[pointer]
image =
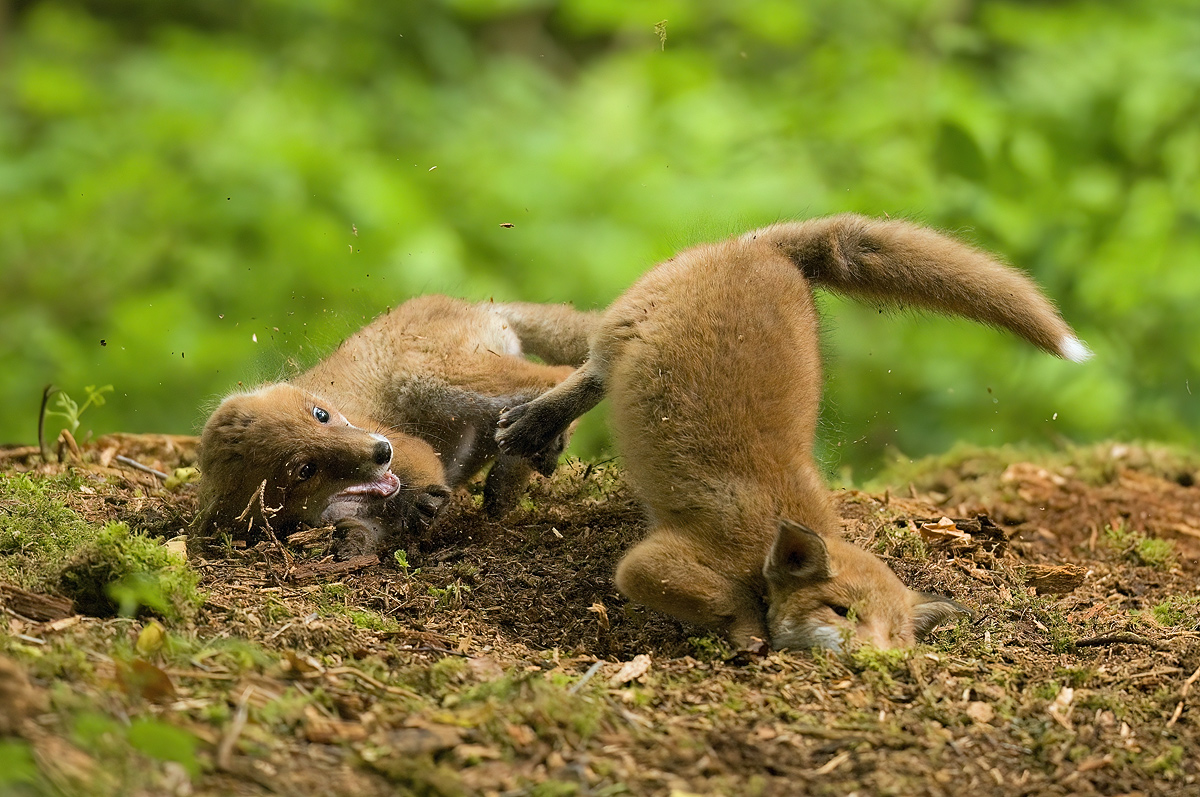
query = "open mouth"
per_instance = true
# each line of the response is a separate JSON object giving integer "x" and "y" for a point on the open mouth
{"x": 385, "y": 486}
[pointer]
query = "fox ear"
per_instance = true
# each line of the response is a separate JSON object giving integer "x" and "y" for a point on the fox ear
{"x": 930, "y": 611}
{"x": 798, "y": 555}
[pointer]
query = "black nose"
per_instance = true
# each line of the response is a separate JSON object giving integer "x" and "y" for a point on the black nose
{"x": 383, "y": 452}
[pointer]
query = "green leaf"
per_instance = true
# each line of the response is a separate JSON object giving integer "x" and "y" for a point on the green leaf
{"x": 16, "y": 763}
{"x": 165, "y": 742}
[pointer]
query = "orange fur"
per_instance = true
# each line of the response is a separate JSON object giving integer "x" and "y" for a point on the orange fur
{"x": 711, "y": 363}
{"x": 431, "y": 376}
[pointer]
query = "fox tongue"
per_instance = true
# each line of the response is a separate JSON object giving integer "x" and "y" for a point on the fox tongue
{"x": 385, "y": 486}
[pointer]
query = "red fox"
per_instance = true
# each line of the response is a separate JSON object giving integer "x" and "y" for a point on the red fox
{"x": 712, "y": 368}
{"x": 375, "y": 436}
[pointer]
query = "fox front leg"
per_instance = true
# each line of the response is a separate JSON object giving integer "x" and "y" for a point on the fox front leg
{"x": 529, "y": 429}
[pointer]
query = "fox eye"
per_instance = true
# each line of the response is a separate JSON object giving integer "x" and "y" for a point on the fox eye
{"x": 321, "y": 415}
{"x": 307, "y": 471}
{"x": 840, "y": 611}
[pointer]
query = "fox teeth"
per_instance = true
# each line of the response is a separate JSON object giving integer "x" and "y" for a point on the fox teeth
{"x": 385, "y": 486}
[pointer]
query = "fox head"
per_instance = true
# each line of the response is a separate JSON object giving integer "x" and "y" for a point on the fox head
{"x": 281, "y": 453}
{"x": 827, "y": 593}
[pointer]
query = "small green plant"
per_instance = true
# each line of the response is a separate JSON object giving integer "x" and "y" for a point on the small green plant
{"x": 17, "y": 767}
{"x": 401, "y": 557}
{"x": 451, "y": 596}
{"x": 71, "y": 409}
{"x": 1168, "y": 763}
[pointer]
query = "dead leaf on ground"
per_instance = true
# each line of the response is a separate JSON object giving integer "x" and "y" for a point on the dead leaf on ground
{"x": 140, "y": 678}
{"x": 631, "y": 670}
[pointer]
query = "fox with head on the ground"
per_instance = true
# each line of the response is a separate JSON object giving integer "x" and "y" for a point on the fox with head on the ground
{"x": 711, "y": 364}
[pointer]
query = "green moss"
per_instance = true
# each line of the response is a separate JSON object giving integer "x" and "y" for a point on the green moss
{"x": 126, "y": 572}
{"x": 886, "y": 662}
{"x": 1133, "y": 546}
{"x": 1178, "y": 611}
{"x": 38, "y": 531}
{"x": 1074, "y": 677}
{"x": 1047, "y": 690}
{"x": 710, "y": 647}
{"x": 1168, "y": 763}
{"x": 372, "y": 621}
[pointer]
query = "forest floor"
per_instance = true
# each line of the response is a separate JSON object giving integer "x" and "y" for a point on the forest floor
{"x": 498, "y": 658}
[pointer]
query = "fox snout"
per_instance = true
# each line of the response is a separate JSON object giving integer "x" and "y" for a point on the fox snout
{"x": 382, "y": 453}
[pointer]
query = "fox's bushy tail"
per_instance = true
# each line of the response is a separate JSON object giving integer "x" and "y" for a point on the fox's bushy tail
{"x": 897, "y": 262}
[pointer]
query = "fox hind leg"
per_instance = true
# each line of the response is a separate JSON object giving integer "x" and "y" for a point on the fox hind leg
{"x": 661, "y": 572}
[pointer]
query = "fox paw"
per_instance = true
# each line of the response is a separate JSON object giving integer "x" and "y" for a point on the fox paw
{"x": 355, "y": 536}
{"x": 522, "y": 432}
{"x": 428, "y": 504}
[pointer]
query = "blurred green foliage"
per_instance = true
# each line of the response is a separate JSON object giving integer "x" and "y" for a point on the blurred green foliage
{"x": 194, "y": 194}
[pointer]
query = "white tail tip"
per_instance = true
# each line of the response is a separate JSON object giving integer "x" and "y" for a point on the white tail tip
{"x": 1074, "y": 349}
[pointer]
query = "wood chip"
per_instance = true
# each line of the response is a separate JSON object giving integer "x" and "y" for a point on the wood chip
{"x": 323, "y": 570}
{"x": 1054, "y": 579}
{"x": 34, "y": 605}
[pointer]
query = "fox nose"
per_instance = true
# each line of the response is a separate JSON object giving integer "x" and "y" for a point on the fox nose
{"x": 382, "y": 452}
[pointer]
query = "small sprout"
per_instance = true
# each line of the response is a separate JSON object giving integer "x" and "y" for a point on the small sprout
{"x": 70, "y": 410}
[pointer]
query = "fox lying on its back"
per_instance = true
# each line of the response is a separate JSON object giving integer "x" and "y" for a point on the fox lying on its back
{"x": 373, "y": 437}
{"x": 711, "y": 364}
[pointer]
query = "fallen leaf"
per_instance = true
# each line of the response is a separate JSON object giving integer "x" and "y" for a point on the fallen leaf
{"x": 1060, "y": 709}
{"x": 631, "y": 670}
{"x": 323, "y": 730}
{"x": 297, "y": 666}
{"x": 177, "y": 546}
{"x": 140, "y": 678}
{"x": 484, "y": 669}
{"x": 981, "y": 712}
{"x": 474, "y": 753}
{"x": 151, "y": 639}
{"x": 944, "y": 532}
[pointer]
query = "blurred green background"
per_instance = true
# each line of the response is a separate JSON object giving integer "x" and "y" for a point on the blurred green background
{"x": 196, "y": 194}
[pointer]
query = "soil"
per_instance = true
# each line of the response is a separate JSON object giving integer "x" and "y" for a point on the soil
{"x": 498, "y": 657}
